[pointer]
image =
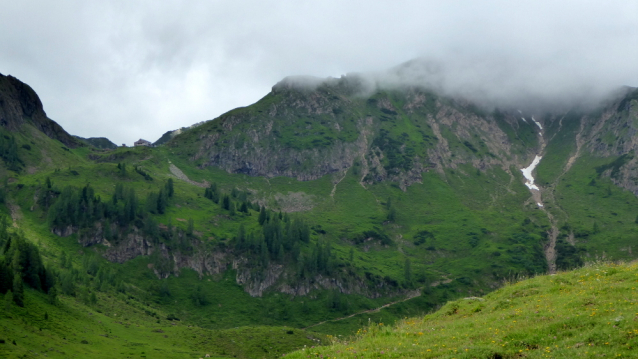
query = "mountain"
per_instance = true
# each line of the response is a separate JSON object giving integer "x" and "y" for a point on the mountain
{"x": 98, "y": 142}
{"x": 309, "y": 128}
{"x": 324, "y": 201}
{"x": 19, "y": 105}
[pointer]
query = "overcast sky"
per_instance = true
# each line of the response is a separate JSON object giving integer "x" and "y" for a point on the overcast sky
{"x": 131, "y": 69}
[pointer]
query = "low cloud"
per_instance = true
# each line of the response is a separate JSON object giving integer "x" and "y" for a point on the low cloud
{"x": 127, "y": 70}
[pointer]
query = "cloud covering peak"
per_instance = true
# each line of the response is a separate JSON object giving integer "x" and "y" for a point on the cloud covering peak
{"x": 127, "y": 70}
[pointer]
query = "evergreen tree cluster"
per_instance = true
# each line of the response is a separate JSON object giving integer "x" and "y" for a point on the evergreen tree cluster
{"x": 236, "y": 201}
{"x": 9, "y": 152}
{"x": 82, "y": 209}
{"x": 283, "y": 239}
{"x": 143, "y": 173}
{"x": 20, "y": 264}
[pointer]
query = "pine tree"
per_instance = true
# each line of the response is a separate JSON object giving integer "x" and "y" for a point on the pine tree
{"x": 392, "y": 214}
{"x": 191, "y": 227}
{"x": 262, "y": 216}
{"x": 52, "y": 296}
{"x": 18, "y": 290}
{"x": 162, "y": 201}
{"x": 170, "y": 190}
{"x": 244, "y": 207}
{"x": 240, "y": 240}
{"x": 63, "y": 260}
{"x": 8, "y": 299}
{"x": 231, "y": 208}
{"x": 407, "y": 271}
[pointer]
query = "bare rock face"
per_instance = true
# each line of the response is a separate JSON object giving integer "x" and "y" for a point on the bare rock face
{"x": 306, "y": 129}
{"x": 20, "y": 104}
{"x": 613, "y": 133}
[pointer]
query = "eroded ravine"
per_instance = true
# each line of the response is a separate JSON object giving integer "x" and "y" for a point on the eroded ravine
{"x": 536, "y": 191}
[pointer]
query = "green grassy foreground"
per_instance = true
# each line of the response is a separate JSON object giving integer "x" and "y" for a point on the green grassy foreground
{"x": 590, "y": 312}
{"x": 122, "y": 328}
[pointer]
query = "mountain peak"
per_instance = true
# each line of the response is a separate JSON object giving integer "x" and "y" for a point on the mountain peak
{"x": 20, "y": 104}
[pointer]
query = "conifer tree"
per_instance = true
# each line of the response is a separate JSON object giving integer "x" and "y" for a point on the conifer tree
{"x": 190, "y": 228}
{"x": 18, "y": 290}
{"x": 52, "y": 296}
{"x": 262, "y": 216}
{"x": 240, "y": 240}
{"x": 170, "y": 190}
{"x": 407, "y": 271}
{"x": 8, "y": 299}
{"x": 243, "y": 208}
{"x": 162, "y": 201}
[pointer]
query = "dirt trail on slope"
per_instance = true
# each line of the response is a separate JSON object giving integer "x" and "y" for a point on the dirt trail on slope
{"x": 550, "y": 247}
{"x": 411, "y": 295}
{"x": 334, "y": 188}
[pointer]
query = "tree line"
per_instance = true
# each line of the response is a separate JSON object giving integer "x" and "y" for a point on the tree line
{"x": 81, "y": 208}
{"x": 21, "y": 264}
{"x": 285, "y": 240}
{"x": 9, "y": 152}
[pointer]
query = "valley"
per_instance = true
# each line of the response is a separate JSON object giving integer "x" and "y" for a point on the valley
{"x": 315, "y": 212}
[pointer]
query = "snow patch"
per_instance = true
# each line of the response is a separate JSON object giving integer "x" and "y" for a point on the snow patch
{"x": 540, "y": 205}
{"x": 537, "y": 123}
{"x": 523, "y": 118}
{"x": 527, "y": 173}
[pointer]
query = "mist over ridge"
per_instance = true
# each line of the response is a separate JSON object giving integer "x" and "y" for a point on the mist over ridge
{"x": 488, "y": 85}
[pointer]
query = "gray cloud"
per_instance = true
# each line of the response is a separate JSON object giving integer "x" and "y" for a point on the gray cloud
{"x": 137, "y": 69}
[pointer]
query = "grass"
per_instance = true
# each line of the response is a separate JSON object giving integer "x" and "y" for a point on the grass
{"x": 121, "y": 327}
{"x": 590, "y": 312}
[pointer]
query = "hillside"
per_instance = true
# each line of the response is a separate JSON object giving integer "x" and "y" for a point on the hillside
{"x": 316, "y": 206}
{"x": 590, "y": 312}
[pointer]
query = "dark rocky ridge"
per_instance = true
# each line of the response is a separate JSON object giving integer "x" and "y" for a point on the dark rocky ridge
{"x": 20, "y": 104}
{"x": 98, "y": 142}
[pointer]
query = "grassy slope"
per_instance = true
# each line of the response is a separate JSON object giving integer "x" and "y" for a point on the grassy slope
{"x": 589, "y": 312}
{"x": 456, "y": 208}
{"x": 120, "y": 327}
